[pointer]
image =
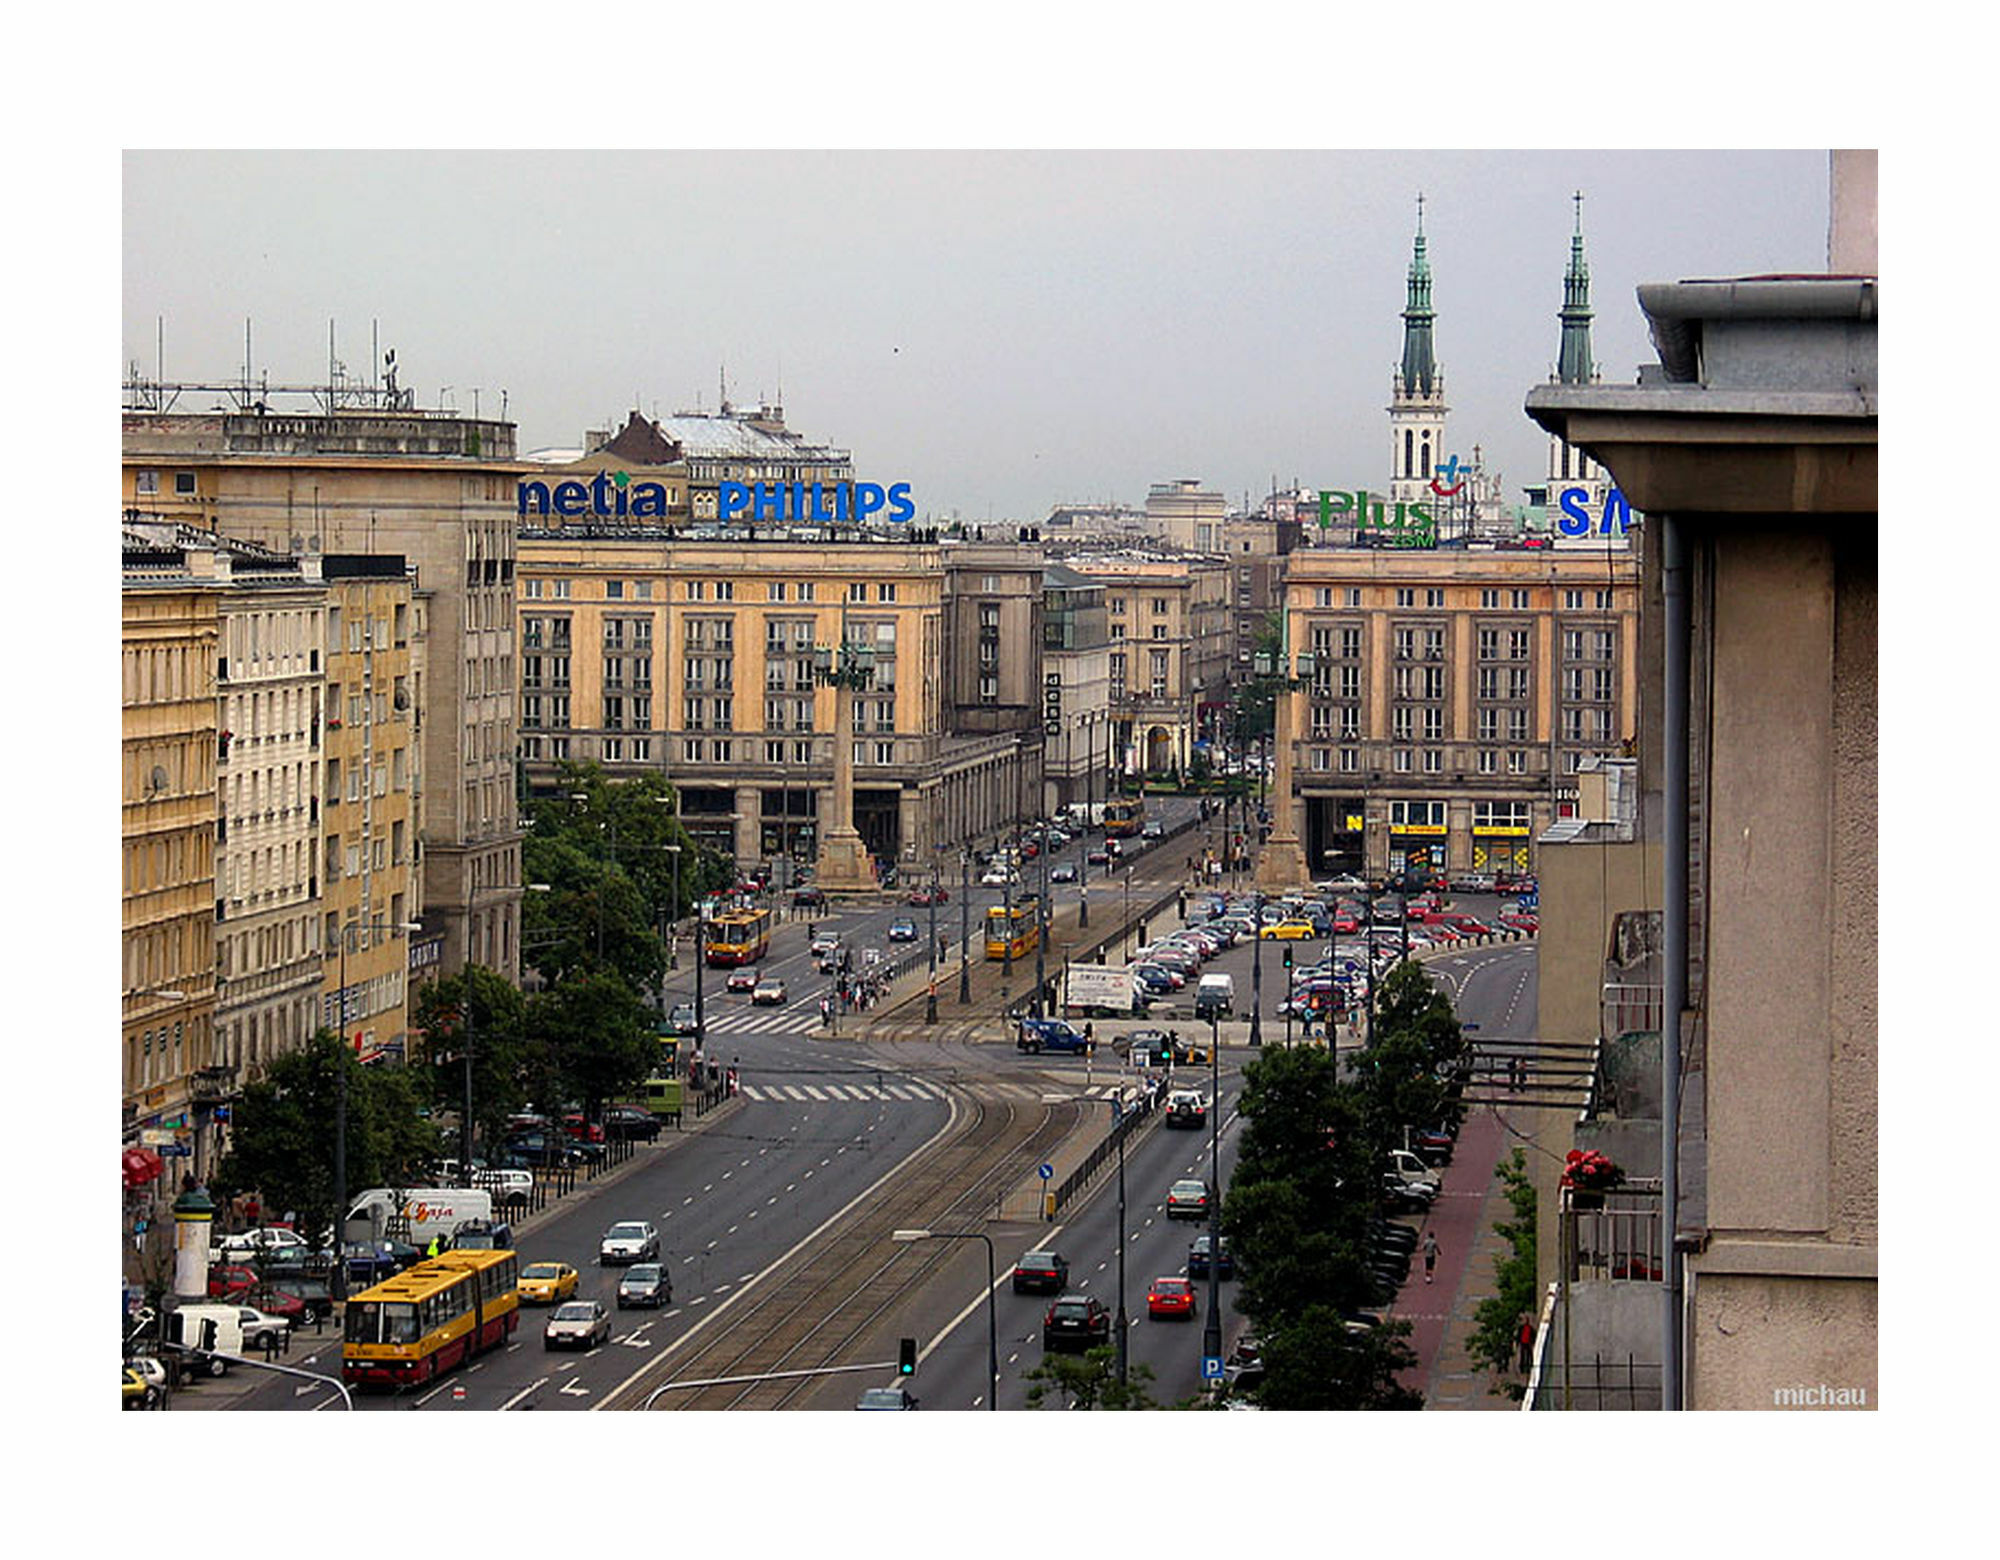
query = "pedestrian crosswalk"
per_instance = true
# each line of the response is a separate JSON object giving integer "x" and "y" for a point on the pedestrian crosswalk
{"x": 905, "y": 1090}
{"x": 761, "y": 1021}
{"x": 902, "y": 1090}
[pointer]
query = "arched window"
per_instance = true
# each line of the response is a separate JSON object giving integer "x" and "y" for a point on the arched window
{"x": 1427, "y": 455}
{"x": 1409, "y": 452}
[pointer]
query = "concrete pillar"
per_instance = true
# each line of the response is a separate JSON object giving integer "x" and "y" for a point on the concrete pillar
{"x": 749, "y": 824}
{"x": 1282, "y": 863}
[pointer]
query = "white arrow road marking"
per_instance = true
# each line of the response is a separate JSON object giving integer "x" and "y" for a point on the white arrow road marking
{"x": 574, "y": 1389}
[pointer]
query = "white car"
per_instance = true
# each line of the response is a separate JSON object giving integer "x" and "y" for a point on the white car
{"x": 261, "y": 1328}
{"x": 251, "y": 1244}
{"x": 998, "y": 877}
{"x": 632, "y": 1241}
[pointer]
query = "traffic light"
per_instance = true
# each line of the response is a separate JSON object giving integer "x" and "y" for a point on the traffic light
{"x": 1288, "y": 955}
{"x": 906, "y": 1357}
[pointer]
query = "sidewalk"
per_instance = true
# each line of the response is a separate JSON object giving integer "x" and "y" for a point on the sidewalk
{"x": 1441, "y": 1312}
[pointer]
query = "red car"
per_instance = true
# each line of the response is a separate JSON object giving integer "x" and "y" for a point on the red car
{"x": 582, "y": 1131}
{"x": 1521, "y": 921}
{"x": 930, "y": 896}
{"x": 228, "y": 1280}
{"x": 1171, "y": 1297}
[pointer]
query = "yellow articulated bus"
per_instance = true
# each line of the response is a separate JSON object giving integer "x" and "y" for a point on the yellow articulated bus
{"x": 1124, "y": 817}
{"x": 1012, "y": 932}
{"x": 430, "y": 1317}
{"x": 740, "y": 937}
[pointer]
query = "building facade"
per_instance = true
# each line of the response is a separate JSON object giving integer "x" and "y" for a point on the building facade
{"x": 1453, "y": 698}
{"x": 653, "y": 651}
{"x": 1076, "y": 688}
{"x": 1752, "y": 447}
{"x": 169, "y": 739}
{"x": 371, "y": 878}
{"x": 1171, "y": 648}
{"x": 436, "y": 489}
{"x": 271, "y": 679}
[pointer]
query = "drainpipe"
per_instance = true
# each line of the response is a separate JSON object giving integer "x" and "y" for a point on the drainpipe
{"x": 1674, "y": 583}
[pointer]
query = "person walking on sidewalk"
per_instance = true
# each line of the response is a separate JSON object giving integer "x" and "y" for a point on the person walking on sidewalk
{"x": 1430, "y": 1253}
{"x": 1527, "y": 1344}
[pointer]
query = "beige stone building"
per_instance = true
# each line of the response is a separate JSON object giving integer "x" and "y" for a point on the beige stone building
{"x": 438, "y": 490}
{"x": 270, "y": 676}
{"x": 1455, "y": 695}
{"x": 371, "y": 873}
{"x": 691, "y": 655}
{"x": 170, "y": 1071}
{"x": 1171, "y": 649}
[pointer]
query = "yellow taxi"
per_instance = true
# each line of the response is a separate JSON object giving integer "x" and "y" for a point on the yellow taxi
{"x": 1289, "y": 930}
{"x": 546, "y": 1283}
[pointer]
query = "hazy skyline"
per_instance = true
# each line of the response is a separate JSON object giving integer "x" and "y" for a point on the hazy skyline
{"x": 1005, "y": 331}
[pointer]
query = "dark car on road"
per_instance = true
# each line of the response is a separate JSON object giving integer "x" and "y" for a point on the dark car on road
{"x": 680, "y": 1018}
{"x": 1051, "y": 1034}
{"x": 1197, "y": 1261}
{"x": 645, "y": 1283}
{"x": 629, "y": 1121}
{"x": 808, "y": 897}
{"x": 1045, "y": 1272}
{"x": 1075, "y": 1322}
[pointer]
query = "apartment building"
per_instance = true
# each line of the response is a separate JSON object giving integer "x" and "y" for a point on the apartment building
{"x": 1454, "y": 695}
{"x": 1076, "y": 688}
{"x": 371, "y": 878}
{"x": 1170, "y": 650}
{"x": 270, "y": 683}
{"x": 368, "y": 472}
{"x": 691, "y": 654}
{"x": 171, "y": 1074}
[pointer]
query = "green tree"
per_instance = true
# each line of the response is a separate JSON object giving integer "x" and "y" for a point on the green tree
{"x": 282, "y": 1141}
{"x": 598, "y": 1034}
{"x": 1315, "y": 1362}
{"x": 1089, "y": 1380}
{"x": 1497, "y": 1320}
{"x": 500, "y": 1049}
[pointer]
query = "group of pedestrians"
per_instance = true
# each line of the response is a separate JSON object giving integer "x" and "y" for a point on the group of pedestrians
{"x": 852, "y": 994}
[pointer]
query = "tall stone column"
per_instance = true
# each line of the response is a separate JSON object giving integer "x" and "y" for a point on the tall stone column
{"x": 1282, "y": 863}
{"x": 843, "y": 865}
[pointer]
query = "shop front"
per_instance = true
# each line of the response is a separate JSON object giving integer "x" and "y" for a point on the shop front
{"x": 1417, "y": 837}
{"x": 1501, "y": 832}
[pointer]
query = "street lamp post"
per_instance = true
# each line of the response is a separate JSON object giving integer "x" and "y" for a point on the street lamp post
{"x": 930, "y": 995}
{"x": 340, "y": 1099}
{"x": 1211, "y": 1332}
{"x": 1257, "y": 974}
{"x": 992, "y": 1309}
{"x": 673, "y": 930}
{"x": 964, "y": 924}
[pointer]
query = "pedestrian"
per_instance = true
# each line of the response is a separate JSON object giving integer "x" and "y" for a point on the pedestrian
{"x": 1430, "y": 1254}
{"x": 1527, "y": 1344}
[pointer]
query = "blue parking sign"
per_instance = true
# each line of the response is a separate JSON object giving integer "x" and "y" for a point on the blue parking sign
{"x": 1211, "y": 1367}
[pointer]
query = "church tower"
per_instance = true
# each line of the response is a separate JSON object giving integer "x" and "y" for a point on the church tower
{"x": 1569, "y": 468}
{"x": 1417, "y": 408}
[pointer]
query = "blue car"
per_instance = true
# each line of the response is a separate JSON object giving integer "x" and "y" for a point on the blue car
{"x": 1051, "y": 1034}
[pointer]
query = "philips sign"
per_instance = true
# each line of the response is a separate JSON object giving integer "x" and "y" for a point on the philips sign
{"x": 810, "y": 502}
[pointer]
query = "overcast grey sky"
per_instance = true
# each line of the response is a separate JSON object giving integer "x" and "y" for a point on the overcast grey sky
{"x": 1004, "y": 330}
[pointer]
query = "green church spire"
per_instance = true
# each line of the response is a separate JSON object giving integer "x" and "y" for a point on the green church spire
{"x": 1420, "y": 373}
{"x": 1573, "y": 366}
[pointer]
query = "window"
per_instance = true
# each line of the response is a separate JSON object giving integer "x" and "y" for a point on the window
{"x": 775, "y": 591}
{"x": 886, "y": 591}
{"x": 1572, "y": 601}
{"x": 614, "y": 590}
{"x": 697, "y": 590}
{"x": 1520, "y": 601}
{"x": 184, "y": 484}
{"x": 1434, "y": 597}
{"x": 1350, "y": 760}
{"x": 1433, "y": 761}
{"x": 1354, "y": 595}
{"x": 1489, "y": 598}
{"x": 531, "y": 590}
{"x": 1405, "y": 596}
{"x": 147, "y": 482}
{"x": 725, "y": 590}
{"x": 857, "y": 590}
{"x": 1401, "y": 763}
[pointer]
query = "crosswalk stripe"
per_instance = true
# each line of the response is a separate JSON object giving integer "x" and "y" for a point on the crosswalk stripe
{"x": 814, "y": 1093}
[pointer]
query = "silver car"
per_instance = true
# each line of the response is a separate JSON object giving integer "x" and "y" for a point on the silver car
{"x": 633, "y": 1241}
{"x": 577, "y": 1324}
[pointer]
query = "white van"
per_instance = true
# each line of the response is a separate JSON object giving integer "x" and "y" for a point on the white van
{"x": 429, "y": 1211}
{"x": 1214, "y": 997}
{"x": 218, "y": 1328}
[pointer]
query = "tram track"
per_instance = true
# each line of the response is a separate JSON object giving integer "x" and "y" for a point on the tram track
{"x": 826, "y": 1305}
